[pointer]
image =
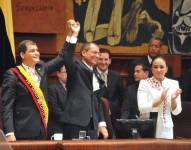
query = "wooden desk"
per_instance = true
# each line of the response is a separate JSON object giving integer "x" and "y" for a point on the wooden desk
{"x": 128, "y": 144}
{"x": 35, "y": 145}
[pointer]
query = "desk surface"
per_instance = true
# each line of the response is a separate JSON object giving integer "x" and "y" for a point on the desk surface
{"x": 127, "y": 144}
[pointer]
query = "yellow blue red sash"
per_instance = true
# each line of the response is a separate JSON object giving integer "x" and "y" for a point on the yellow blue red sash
{"x": 36, "y": 93}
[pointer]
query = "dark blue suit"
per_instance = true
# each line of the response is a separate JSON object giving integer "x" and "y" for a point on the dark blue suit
{"x": 20, "y": 114}
{"x": 130, "y": 106}
{"x": 115, "y": 95}
{"x": 82, "y": 108}
{"x": 56, "y": 103}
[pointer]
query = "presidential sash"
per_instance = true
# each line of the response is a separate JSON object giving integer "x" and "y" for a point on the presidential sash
{"x": 36, "y": 93}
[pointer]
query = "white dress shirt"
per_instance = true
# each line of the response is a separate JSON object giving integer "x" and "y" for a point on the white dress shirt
{"x": 33, "y": 73}
{"x": 95, "y": 83}
{"x": 149, "y": 59}
{"x": 96, "y": 87}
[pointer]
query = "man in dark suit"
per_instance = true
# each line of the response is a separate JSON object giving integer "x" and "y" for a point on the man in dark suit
{"x": 130, "y": 108}
{"x": 154, "y": 49}
{"x": 82, "y": 109}
{"x": 113, "y": 83}
{"x": 24, "y": 92}
{"x": 56, "y": 102}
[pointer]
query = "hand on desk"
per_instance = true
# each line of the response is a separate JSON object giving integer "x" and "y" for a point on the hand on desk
{"x": 103, "y": 131}
{"x": 11, "y": 138}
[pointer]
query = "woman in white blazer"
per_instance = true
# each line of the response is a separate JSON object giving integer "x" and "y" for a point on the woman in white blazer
{"x": 162, "y": 95}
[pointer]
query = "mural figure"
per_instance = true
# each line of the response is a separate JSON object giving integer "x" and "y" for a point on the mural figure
{"x": 180, "y": 37}
{"x": 120, "y": 22}
{"x": 137, "y": 16}
{"x": 112, "y": 29}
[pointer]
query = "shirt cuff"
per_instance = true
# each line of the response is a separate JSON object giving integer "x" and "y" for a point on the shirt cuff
{"x": 71, "y": 39}
{"x": 102, "y": 124}
{"x": 10, "y": 133}
{"x": 177, "y": 110}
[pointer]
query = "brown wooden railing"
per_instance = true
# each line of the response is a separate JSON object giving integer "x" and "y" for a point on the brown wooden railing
{"x": 139, "y": 144}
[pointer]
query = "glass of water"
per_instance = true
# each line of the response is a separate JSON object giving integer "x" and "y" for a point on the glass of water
{"x": 82, "y": 135}
{"x": 134, "y": 133}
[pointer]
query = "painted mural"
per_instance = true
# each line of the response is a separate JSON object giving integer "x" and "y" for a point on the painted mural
{"x": 122, "y": 22}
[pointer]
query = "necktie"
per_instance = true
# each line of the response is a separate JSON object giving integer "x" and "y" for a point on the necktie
{"x": 104, "y": 78}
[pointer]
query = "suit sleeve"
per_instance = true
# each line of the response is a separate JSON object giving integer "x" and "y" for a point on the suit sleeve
{"x": 144, "y": 105}
{"x": 56, "y": 101}
{"x": 121, "y": 91}
{"x": 178, "y": 108}
{"x": 57, "y": 62}
{"x": 101, "y": 114}
{"x": 53, "y": 99}
{"x": 70, "y": 66}
{"x": 131, "y": 102}
{"x": 125, "y": 106}
{"x": 8, "y": 99}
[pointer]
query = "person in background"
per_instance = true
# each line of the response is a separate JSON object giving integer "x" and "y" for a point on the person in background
{"x": 24, "y": 91}
{"x": 161, "y": 95}
{"x": 82, "y": 107}
{"x": 113, "y": 83}
{"x": 130, "y": 108}
{"x": 57, "y": 94}
{"x": 154, "y": 50}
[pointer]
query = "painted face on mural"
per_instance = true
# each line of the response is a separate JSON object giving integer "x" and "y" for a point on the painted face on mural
{"x": 181, "y": 25}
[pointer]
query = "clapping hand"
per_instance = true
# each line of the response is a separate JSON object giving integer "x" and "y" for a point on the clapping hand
{"x": 176, "y": 94}
{"x": 164, "y": 94}
{"x": 161, "y": 98}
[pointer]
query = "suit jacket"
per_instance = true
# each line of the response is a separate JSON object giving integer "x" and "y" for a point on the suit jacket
{"x": 82, "y": 102}
{"x": 130, "y": 106}
{"x": 56, "y": 103}
{"x": 115, "y": 94}
{"x": 20, "y": 114}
